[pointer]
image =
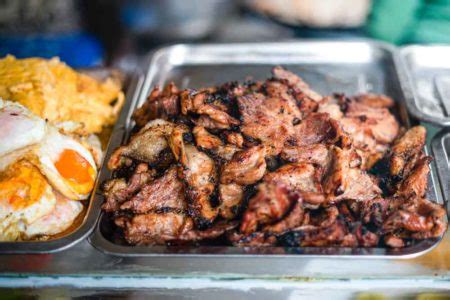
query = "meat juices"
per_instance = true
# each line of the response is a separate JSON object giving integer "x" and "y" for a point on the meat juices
{"x": 271, "y": 163}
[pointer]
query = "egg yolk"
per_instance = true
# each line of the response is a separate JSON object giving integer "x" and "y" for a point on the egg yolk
{"x": 22, "y": 185}
{"x": 75, "y": 168}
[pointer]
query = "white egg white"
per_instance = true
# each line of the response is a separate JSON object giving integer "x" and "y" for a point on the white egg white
{"x": 48, "y": 153}
{"x": 18, "y": 127}
{"x": 56, "y": 221}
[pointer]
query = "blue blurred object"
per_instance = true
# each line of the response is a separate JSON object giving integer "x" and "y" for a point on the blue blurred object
{"x": 78, "y": 49}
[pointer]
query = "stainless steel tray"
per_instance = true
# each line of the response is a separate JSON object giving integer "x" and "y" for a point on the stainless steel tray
{"x": 440, "y": 145}
{"x": 132, "y": 85}
{"x": 329, "y": 66}
{"x": 428, "y": 73}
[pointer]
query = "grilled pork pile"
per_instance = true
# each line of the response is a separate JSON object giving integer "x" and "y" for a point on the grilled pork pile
{"x": 271, "y": 163}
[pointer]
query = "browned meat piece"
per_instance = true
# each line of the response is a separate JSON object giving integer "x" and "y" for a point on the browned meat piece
{"x": 323, "y": 217}
{"x": 146, "y": 145}
{"x": 208, "y": 141}
{"x": 315, "y": 128}
{"x": 378, "y": 123}
{"x": 375, "y": 100}
{"x": 313, "y": 154}
{"x": 315, "y": 236}
{"x": 295, "y": 82}
{"x": 198, "y": 103}
{"x": 278, "y": 90}
{"x": 417, "y": 181}
{"x": 406, "y": 150}
{"x": 331, "y": 106}
{"x": 375, "y": 211}
{"x": 159, "y": 105}
{"x": 117, "y": 191}
{"x": 154, "y": 228}
{"x": 164, "y": 192}
{"x": 420, "y": 217}
{"x": 268, "y": 120}
{"x": 365, "y": 237}
{"x": 393, "y": 241}
{"x": 255, "y": 239}
{"x": 246, "y": 167}
{"x": 200, "y": 175}
{"x": 346, "y": 182}
{"x": 230, "y": 196}
{"x": 296, "y": 177}
{"x": 293, "y": 219}
{"x": 269, "y": 205}
{"x": 213, "y": 232}
{"x": 235, "y": 138}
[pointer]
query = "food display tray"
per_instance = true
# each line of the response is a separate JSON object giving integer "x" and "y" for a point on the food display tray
{"x": 132, "y": 85}
{"x": 440, "y": 146}
{"x": 428, "y": 73}
{"x": 328, "y": 66}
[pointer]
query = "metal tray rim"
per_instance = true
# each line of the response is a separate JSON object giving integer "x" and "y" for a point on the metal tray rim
{"x": 410, "y": 89}
{"x": 93, "y": 211}
{"x": 107, "y": 247}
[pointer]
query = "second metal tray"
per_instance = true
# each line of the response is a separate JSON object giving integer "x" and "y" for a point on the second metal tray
{"x": 328, "y": 66}
{"x": 132, "y": 85}
{"x": 428, "y": 73}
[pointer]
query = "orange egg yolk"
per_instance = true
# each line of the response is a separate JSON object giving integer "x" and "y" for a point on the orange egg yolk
{"x": 22, "y": 185}
{"x": 74, "y": 167}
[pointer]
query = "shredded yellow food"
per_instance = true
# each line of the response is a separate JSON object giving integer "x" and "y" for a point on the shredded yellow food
{"x": 56, "y": 92}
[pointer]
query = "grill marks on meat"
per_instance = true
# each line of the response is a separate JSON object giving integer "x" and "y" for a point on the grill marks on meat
{"x": 245, "y": 167}
{"x": 268, "y": 120}
{"x": 371, "y": 125}
{"x": 270, "y": 204}
{"x": 117, "y": 191}
{"x": 406, "y": 150}
{"x": 154, "y": 228}
{"x": 314, "y": 129}
{"x": 162, "y": 193}
{"x": 209, "y": 142}
{"x": 198, "y": 103}
{"x": 230, "y": 196}
{"x": 146, "y": 145}
{"x": 345, "y": 181}
{"x": 159, "y": 105}
{"x": 200, "y": 176}
{"x": 271, "y": 163}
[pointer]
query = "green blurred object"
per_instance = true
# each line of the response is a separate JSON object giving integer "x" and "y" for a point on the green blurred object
{"x": 410, "y": 21}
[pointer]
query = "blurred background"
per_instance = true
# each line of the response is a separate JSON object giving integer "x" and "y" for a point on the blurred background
{"x": 118, "y": 33}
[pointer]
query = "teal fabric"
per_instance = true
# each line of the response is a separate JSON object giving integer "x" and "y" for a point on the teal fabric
{"x": 410, "y": 21}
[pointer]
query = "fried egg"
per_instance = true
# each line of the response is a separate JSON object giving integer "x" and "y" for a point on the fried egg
{"x": 19, "y": 127}
{"x": 69, "y": 167}
{"x": 62, "y": 216}
{"x": 25, "y": 196}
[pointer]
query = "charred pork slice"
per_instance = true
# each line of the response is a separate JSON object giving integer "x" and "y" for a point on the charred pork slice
{"x": 312, "y": 154}
{"x": 154, "y": 228}
{"x": 246, "y": 166}
{"x": 162, "y": 193}
{"x": 406, "y": 150}
{"x": 230, "y": 196}
{"x": 346, "y": 182}
{"x": 269, "y": 205}
{"x": 117, "y": 191}
{"x": 145, "y": 146}
{"x": 200, "y": 176}
{"x": 212, "y": 143}
{"x": 315, "y": 128}
{"x": 198, "y": 102}
{"x": 296, "y": 83}
{"x": 268, "y": 120}
{"x": 159, "y": 105}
